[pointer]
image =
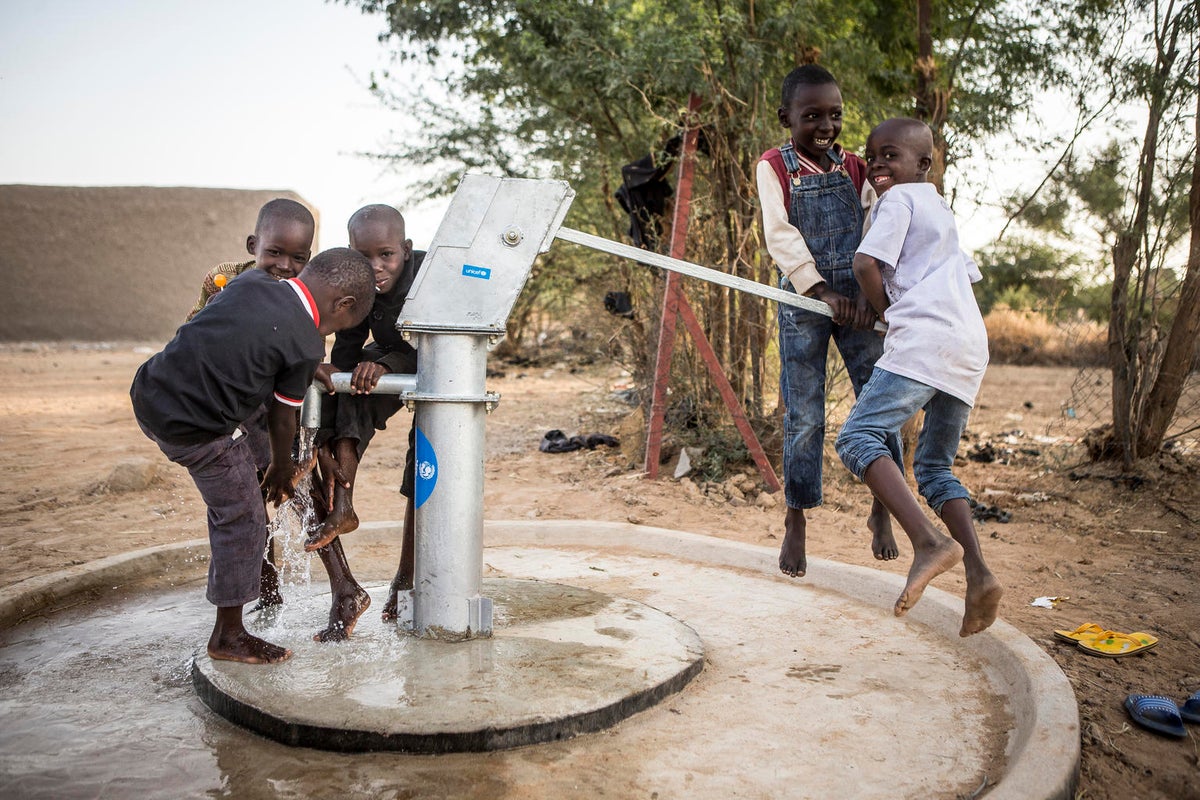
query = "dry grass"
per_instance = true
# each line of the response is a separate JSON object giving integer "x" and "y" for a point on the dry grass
{"x": 1028, "y": 338}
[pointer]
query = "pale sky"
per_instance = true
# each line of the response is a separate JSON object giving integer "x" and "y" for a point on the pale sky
{"x": 243, "y": 94}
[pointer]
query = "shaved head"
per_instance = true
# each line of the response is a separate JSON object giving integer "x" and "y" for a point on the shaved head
{"x": 376, "y": 214}
{"x": 282, "y": 209}
{"x": 912, "y": 132}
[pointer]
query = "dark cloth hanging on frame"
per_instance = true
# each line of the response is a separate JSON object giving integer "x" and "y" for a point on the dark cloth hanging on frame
{"x": 643, "y": 195}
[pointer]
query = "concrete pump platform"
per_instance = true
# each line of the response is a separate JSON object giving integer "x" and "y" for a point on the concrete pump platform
{"x": 809, "y": 688}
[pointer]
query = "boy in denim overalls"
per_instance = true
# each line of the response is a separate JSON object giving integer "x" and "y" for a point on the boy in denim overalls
{"x": 813, "y": 197}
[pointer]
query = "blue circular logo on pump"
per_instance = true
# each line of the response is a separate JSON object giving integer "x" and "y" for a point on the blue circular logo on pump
{"x": 426, "y": 468}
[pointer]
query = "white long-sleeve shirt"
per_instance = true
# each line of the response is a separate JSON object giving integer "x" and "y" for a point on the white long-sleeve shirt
{"x": 784, "y": 241}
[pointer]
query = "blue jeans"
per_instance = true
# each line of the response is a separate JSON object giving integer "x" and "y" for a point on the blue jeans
{"x": 803, "y": 349}
{"x": 885, "y": 404}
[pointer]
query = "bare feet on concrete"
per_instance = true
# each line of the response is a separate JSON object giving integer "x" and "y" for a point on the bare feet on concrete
{"x": 929, "y": 561}
{"x": 400, "y": 583}
{"x": 343, "y": 616}
{"x": 246, "y": 648}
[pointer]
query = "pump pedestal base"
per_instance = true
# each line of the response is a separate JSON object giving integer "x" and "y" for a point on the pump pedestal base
{"x": 561, "y": 661}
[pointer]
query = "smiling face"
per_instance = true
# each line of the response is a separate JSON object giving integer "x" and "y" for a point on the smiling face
{"x": 898, "y": 151}
{"x": 814, "y": 116}
{"x": 381, "y": 239}
{"x": 281, "y": 247}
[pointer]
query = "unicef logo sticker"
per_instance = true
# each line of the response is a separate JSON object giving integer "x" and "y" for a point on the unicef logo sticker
{"x": 426, "y": 469}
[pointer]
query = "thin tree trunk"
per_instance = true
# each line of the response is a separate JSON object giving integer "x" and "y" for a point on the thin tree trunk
{"x": 1124, "y": 331}
{"x": 1181, "y": 343}
{"x": 1120, "y": 352}
{"x": 932, "y": 103}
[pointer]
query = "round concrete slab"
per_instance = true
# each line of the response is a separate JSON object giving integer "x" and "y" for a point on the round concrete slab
{"x": 810, "y": 689}
{"x": 562, "y": 660}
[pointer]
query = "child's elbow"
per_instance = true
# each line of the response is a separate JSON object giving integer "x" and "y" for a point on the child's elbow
{"x": 864, "y": 265}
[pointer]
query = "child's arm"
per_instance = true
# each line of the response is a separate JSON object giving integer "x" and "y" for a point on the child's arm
{"x": 973, "y": 273}
{"x": 283, "y": 474}
{"x": 396, "y": 360}
{"x": 348, "y": 345}
{"x": 324, "y": 376}
{"x": 870, "y": 279}
{"x": 784, "y": 241}
{"x": 214, "y": 282}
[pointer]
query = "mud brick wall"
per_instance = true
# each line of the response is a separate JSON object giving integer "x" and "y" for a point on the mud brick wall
{"x": 114, "y": 263}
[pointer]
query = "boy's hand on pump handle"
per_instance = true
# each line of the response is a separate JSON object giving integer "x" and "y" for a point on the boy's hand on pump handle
{"x": 366, "y": 375}
{"x": 856, "y": 313}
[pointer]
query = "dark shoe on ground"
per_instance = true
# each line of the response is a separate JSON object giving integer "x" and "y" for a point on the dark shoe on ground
{"x": 1190, "y": 710}
{"x": 1156, "y": 713}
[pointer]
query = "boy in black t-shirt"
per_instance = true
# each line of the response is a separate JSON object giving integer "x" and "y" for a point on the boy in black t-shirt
{"x": 258, "y": 339}
{"x": 281, "y": 245}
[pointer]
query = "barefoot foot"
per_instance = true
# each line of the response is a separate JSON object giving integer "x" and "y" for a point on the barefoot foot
{"x": 248, "y": 649}
{"x": 983, "y": 604}
{"x": 883, "y": 544}
{"x": 343, "y": 616}
{"x": 391, "y": 607}
{"x": 792, "y": 560}
{"x": 334, "y": 526}
{"x": 928, "y": 562}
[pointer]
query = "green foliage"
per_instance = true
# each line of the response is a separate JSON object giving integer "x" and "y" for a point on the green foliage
{"x": 724, "y": 452}
{"x": 575, "y": 90}
{"x": 1024, "y": 274}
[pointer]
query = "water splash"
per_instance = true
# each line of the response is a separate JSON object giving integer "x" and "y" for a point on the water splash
{"x": 294, "y": 521}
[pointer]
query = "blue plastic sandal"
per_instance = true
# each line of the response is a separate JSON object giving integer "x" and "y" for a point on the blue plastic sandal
{"x": 1158, "y": 713}
{"x": 1190, "y": 710}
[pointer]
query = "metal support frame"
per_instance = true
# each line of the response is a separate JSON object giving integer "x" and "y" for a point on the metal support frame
{"x": 676, "y": 306}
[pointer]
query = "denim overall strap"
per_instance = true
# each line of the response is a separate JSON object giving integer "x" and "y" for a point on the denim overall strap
{"x": 826, "y": 209}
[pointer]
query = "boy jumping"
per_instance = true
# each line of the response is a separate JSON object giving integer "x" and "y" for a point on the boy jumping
{"x": 916, "y": 277}
{"x": 259, "y": 339}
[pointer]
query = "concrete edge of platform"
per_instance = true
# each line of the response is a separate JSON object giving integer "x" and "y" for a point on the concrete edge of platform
{"x": 1043, "y": 757}
{"x": 31, "y": 596}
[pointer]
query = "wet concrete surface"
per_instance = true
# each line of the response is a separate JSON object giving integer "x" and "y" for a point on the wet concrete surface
{"x": 809, "y": 690}
{"x": 562, "y": 660}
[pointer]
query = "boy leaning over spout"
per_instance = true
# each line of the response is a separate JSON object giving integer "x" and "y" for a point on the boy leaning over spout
{"x": 260, "y": 339}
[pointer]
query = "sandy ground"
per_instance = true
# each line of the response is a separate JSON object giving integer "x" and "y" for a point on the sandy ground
{"x": 1121, "y": 550}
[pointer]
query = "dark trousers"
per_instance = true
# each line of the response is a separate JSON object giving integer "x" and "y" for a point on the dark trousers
{"x": 224, "y": 471}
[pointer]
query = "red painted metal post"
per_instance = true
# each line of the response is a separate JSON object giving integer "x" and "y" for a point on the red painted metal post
{"x": 675, "y": 305}
{"x": 672, "y": 294}
{"x": 715, "y": 371}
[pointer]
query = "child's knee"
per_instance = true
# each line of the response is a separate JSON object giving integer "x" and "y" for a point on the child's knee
{"x": 857, "y": 451}
{"x": 939, "y": 488}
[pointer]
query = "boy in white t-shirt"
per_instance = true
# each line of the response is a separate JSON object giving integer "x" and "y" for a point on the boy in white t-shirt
{"x": 916, "y": 277}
